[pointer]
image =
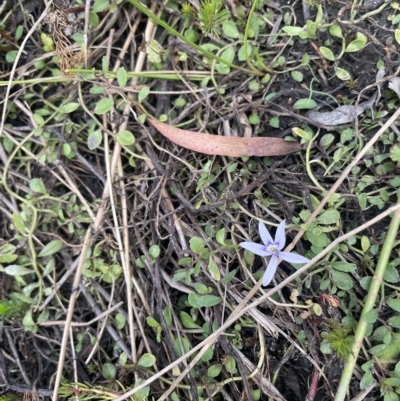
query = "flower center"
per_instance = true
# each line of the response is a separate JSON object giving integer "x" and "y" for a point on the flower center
{"x": 272, "y": 248}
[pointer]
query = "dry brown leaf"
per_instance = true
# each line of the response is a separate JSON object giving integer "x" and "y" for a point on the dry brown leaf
{"x": 224, "y": 145}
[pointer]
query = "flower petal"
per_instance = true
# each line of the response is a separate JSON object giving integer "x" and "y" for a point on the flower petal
{"x": 264, "y": 234}
{"x": 271, "y": 270}
{"x": 292, "y": 257}
{"x": 257, "y": 249}
{"x": 280, "y": 237}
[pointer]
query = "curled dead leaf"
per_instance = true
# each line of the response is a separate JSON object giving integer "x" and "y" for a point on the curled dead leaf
{"x": 224, "y": 145}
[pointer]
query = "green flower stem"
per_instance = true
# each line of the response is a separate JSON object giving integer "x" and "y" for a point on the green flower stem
{"x": 245, "y": 42}
{"x": 369, "y": 305}
{"x": 173, "y": 32}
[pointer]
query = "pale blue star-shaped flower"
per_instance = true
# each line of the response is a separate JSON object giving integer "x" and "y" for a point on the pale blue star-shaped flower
{"x": 272, "y": 248}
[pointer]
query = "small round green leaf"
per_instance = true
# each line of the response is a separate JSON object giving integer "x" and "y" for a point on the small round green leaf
{"x": 366, "y": 380}
{"x": 394, "y": 304}
{"x": 214, "y": 270}
{"x": 193, "y": 299}
{"x": 196, "y": 245}
{"x": 254, "y": 118}
{"x": 397, "y": 35}
{"x": 67, "y": 150}
{"x": 167, "y": 313}
{"x": 122, "y": 77}
{"x": 19, "y": 223}
{"x": 147, "y": 360}
{"x": 101, "y": 5}
{"x": 293, "y": 30}
{"x": 301, "y": 133}
{"x": 342, "y": 74}
{"x": 28, "y": 322}
{"x": 214, "y": 370}
{"x": 230, "y": 365}
{"x": 181, "y": 345}
{"x": 120, "y": 320}
{"x": 297, "y": 76}
{"x": 11, "y": 56}
{"x": 241, "y": 53}
{"x": 220, "y": 236}
{"x": 187, "y": 321}
{"x": 154, "y": 251}
{"x": 335, "y": 30}
{"x": 125, "y": 138}
{"x": 228, "y": 54}
{"x": 152, "y": 322}
{"x": 327, "y": 53}
{"x": 95, "y": 90}
{"x": 326, "y": 140}
{"x": 208, "y": 355}
{"x": 51, "y": 248}
{"x": 391, "y": 274}
{"x": 390, "y": 395}
{"x": 325, "y": 347}
{"x": 208, "y": 300}
{"x": 191, "y": 35}
{"x": 394, "y": 321}
{"x": 69, "y": 107}
{"x": 229, "y": 29}
{"x": 202, "y": 289}
{"x": 365, "y": 282}
{"x": 16, "y": 270}
{"x": 93, "y": 19}
{"x": 39, "y": 120}
{"x": 123, "y": 358}
{"x": 36, "y": 185}
{"x": 330, "y": 216}
{"x": 109, "y": 371}
{"x": 94, "y": 139}
{"x": 344, "y": 266}
{"x": 342, "y": 280}
{"x": 103, "y": 106}
{"x": 274, "y": 122}
{"x": 254, "y": 85}
{"x": 43, "y": 316}
{"x": 371, "y": 316}
{"x": 305, "y": 104}
{"x": 355, "y": 46}
{"x": 18, "y": 32}
{"x": 378, "y": 349}
{"x": 223, "y": 69}
{"x": 143, "y": 93}
{"x": 228, "y": 277}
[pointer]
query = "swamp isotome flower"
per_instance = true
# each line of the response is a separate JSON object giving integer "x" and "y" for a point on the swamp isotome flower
{"x": 272, "y": 248}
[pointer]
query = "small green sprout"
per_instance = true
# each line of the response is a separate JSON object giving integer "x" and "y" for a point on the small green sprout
{"x": 339, "y": 340}
{"x": 211, "y": 16}
{"x": 188, "y": 11}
